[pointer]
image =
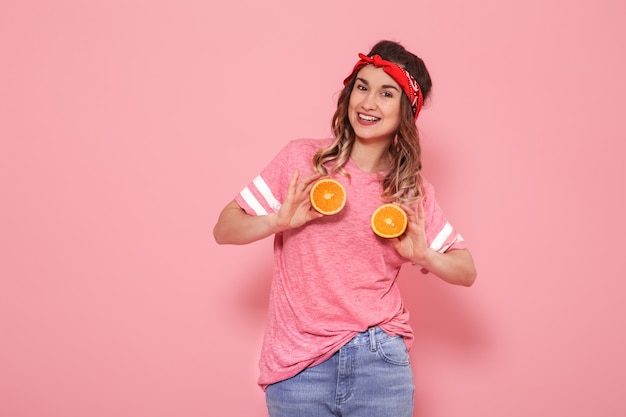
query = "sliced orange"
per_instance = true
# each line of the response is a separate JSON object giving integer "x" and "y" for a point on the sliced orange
{"x": 328, "y": 196}
{"x": 389, "y": 220}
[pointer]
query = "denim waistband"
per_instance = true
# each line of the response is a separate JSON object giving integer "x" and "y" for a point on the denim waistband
{"x": 371, "y": 337}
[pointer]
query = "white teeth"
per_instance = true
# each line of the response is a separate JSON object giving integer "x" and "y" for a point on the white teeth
{"x": 368, "y": 118}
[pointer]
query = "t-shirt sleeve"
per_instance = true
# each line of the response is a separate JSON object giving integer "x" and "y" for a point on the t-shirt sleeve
{"x": 264, "y": 194}
{"x": 440, "y": 234}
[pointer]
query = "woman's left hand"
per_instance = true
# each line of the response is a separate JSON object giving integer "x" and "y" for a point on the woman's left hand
{"x": 412, "y": 243}
{"x": 454, "y": 266}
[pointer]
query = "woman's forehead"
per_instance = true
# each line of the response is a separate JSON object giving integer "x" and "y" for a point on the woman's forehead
{"x": 376, "y": 75}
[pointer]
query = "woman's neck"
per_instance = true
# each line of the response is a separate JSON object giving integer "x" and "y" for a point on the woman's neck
{"x": 371, "y": 157}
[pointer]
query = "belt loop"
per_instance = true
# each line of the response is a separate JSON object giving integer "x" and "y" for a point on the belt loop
{"x": 371, "y": 330}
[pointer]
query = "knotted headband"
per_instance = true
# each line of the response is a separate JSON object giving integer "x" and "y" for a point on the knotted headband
{"x": 400, "y": 75}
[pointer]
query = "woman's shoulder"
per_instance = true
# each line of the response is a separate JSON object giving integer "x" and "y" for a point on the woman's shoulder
{"x": 428, "y": 191}
{"x": 299, "y": 151}
{"x": 305, "y": 146}
{"x": 427, "y": 186}
{"x": 308, "y": 143}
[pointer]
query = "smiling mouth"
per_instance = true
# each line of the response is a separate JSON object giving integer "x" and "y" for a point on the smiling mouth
{"x": 368, "y": 118}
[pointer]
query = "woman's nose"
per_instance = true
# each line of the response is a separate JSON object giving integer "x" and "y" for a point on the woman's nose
{"x": 369, "y": 101}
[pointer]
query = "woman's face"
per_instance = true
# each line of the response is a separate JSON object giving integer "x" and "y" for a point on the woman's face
{"x": 374, "y": 107}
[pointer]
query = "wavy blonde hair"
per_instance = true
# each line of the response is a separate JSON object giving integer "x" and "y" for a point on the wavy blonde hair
{"x": 403, "y": 182}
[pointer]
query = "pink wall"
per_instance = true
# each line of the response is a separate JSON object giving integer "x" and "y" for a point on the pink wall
{"x": 120, "y": 126}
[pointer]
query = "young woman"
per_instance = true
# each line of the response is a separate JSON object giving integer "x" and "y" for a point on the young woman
{"x": 338, "y": 334}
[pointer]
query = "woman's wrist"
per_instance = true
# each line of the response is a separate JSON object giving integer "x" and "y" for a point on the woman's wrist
{"x": 424, "y": 258}
{"x": 274, "y": 224}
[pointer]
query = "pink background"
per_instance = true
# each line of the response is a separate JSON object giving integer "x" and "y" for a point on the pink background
{"x": 125, "y": 127}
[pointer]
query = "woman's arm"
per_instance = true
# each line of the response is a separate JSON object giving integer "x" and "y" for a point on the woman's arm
{"x": 455, "y": 266}
{"x": 235, "y": 226}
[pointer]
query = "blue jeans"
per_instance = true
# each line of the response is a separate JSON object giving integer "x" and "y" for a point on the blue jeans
{"x": 369, "y": 376}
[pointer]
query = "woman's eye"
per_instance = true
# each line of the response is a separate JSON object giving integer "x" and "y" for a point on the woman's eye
{"x": 361, "y": 87}
{"x": 387, "y": 94}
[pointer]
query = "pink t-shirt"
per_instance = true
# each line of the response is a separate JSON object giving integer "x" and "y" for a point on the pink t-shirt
{"x": 333, "y": 277}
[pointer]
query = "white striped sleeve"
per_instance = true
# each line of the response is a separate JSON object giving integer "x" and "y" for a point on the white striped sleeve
{"x": 458, "y": 239}
{"x": 251, "y": 200}
{"x": 266, "y": 192}
{"x": 440, "y": 240}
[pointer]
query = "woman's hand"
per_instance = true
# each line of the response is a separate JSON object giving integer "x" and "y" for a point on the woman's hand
{"x": 296, "y": 210}
{"x": 455, "y": 266}
{"x": 412, "y": 243}
{"x": 235, "y": 226}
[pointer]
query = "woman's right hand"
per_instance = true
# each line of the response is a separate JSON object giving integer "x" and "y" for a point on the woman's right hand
{"x": 296, "y": 210}
{"x": 235, "y": 226}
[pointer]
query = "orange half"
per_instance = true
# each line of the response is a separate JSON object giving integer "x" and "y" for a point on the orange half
{"x": 389, "y": 221}
{"x": 328, "y": 196}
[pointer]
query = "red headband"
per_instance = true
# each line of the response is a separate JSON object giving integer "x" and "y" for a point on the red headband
{"x": 400, "y": 75}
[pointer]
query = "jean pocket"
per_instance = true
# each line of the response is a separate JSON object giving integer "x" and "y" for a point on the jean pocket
{"x": 394, "y": 351}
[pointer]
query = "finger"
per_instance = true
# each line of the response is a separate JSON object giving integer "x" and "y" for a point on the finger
{"x": 314, "y": 214}
{"x": 311, "y": 178}
{"x": 309, "y": 181}
{"x": 420, "y": 210}
{"x": 295, "y": 177}
{"x": 293, "y": 183}
{"x": 409, "y": 212}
